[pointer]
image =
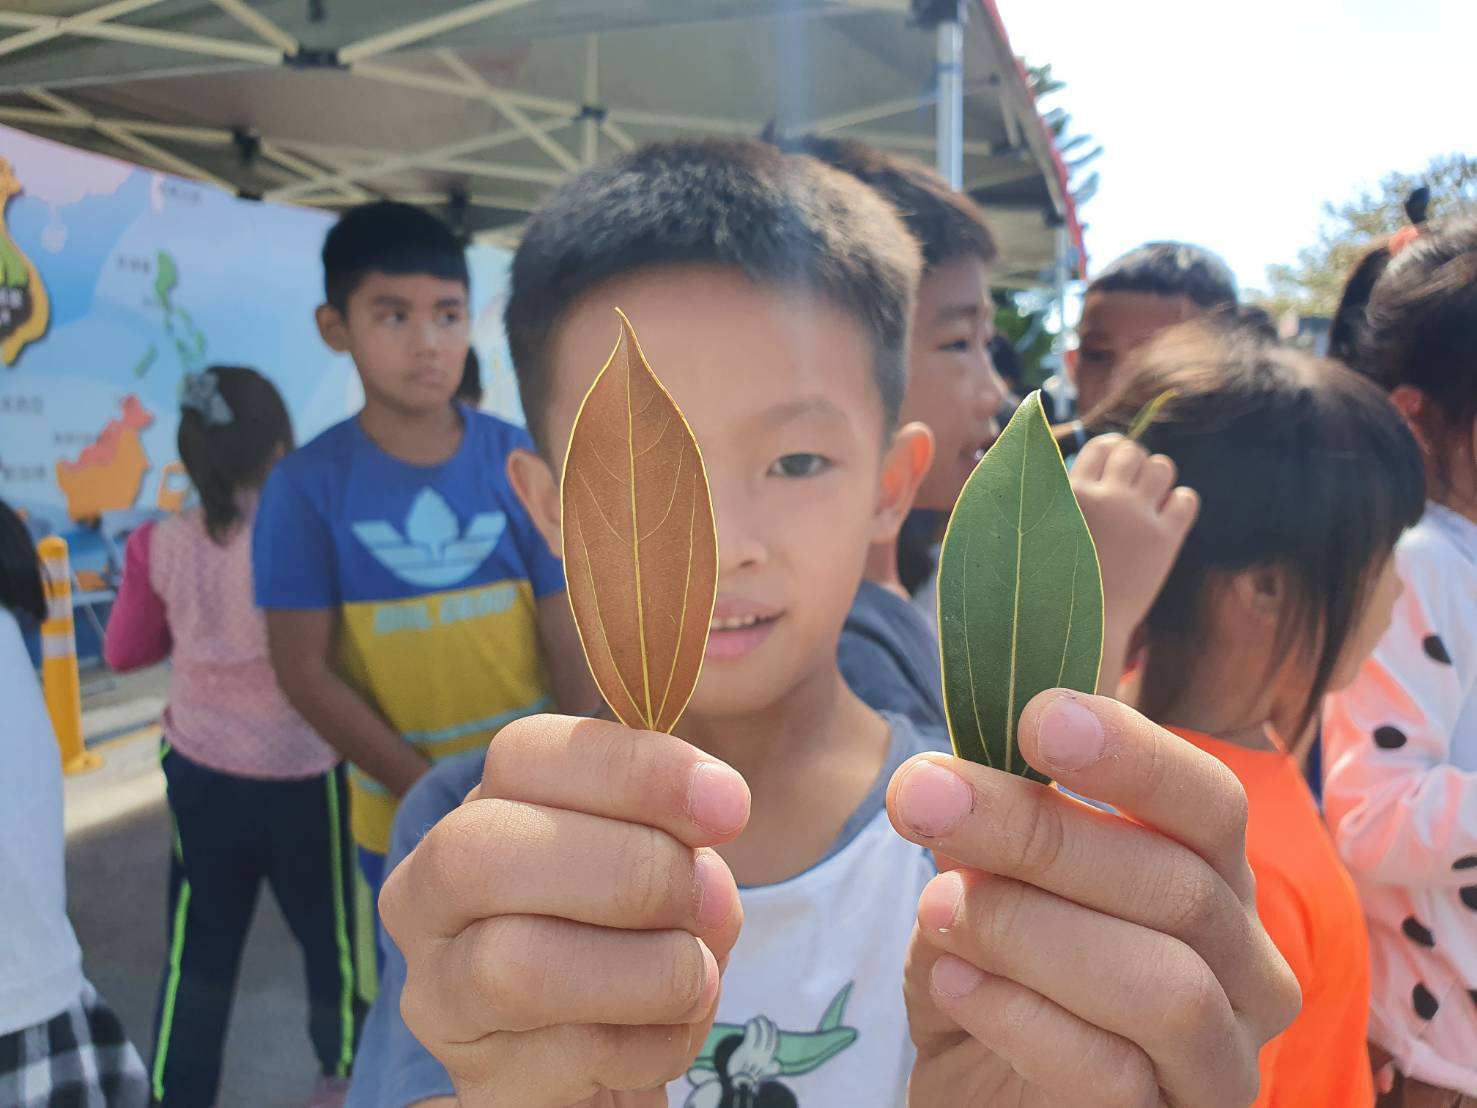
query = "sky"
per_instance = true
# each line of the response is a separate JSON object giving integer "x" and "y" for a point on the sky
{"x": 1229, "y": 123}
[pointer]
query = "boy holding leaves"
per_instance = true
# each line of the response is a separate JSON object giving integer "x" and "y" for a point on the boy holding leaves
{"x": 562, "y": 933}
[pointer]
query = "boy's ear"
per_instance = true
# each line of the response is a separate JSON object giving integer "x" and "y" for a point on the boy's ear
{"x": 535, "y": 485}
{"x": 904, "y": 466}
{"x": 332, "y": 328}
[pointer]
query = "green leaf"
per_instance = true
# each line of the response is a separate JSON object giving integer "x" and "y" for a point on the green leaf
{"x": 1019, "y": 592}
{"x": 1147, "y": 414}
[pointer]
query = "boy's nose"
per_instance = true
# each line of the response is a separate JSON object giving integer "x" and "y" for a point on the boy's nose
{"x": 740, "y": 541}
{"x": 991, "y": 390}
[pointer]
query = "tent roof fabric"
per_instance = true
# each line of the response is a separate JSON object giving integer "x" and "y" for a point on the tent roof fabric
{"x": 478, "y": 108}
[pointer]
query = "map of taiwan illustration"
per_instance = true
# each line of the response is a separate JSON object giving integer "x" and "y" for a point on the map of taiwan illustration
{"x": 25, "y": 311}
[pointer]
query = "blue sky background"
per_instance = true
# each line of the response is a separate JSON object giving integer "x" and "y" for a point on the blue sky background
{"x": 1230, "y": 122}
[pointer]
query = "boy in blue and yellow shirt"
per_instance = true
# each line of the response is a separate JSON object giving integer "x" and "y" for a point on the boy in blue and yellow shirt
{"x": 412, "y": 608}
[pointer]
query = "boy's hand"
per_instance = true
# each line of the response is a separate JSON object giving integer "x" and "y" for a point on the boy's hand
{"x": 564, "y": 929}
{"x": 1073, "y": 957}
{"x": 1138, "y": 521}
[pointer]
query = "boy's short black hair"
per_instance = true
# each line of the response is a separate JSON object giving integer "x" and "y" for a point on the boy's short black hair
{"x": 388, "y": 237}
{"x": 1171, "y": 269}
{"x": 946, "y": 222}
{"x": 779, "y": 218}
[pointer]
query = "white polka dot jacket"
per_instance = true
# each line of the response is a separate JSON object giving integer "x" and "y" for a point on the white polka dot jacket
{"x": 1401, "y": 799}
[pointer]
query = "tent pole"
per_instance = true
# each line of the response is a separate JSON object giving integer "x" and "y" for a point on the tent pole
{"x": 950, "y": 113}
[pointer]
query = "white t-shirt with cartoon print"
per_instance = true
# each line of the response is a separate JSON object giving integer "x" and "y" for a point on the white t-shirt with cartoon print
{"x": 1401, "y": 798}
{"x": 811, "y": 1014}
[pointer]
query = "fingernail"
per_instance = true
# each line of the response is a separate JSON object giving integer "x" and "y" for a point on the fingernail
{"x": 1068, "y": 735}
{"x": 718, "y": 799}
{"x": 954, "y": 977}
{"x": 931, "y": 800}
{"x": 713, "y": 900}
{"x": 942, "y": 902}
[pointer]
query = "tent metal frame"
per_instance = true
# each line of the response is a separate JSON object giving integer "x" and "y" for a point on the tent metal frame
{"x": 567, "y": 134}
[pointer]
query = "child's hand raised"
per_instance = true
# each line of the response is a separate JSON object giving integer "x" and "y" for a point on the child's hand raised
{"x": 1138, "y": 521}
{"x": 1073, "y": 957}
{"x": 564, "y": 929}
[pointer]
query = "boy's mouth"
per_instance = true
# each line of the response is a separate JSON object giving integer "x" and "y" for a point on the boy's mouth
{"x": 737, "y": 628}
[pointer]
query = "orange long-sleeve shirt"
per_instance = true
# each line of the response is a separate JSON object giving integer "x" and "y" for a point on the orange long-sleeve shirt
{"x": 1308, "y": 904}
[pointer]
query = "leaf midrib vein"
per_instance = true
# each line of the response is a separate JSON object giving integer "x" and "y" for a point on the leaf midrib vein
{"x": 1015, "y": 617}
{"x": 636, "y": 538}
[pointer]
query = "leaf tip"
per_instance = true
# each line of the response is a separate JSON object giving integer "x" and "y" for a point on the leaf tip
{"x": 1150, "y": 412}
{"x": 627, "y": 336}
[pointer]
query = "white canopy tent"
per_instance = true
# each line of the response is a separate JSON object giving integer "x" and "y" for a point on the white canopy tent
{"x": 478, "y": 108}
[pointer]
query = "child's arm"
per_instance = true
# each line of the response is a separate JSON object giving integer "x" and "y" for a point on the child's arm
{"x": 563, "y": 930}
{"x": 138, "y": 632}
{"x": 1401, "y": 812}
{"x": 301, "y": 643}
{"x": 1083, "y": 958}
{"x": 570, "y": 682}
{"x": 296, "y": 578}
{"x": 1138, "y": 521}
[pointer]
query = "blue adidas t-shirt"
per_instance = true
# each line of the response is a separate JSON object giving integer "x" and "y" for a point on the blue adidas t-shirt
{"x": 434, "y": 572}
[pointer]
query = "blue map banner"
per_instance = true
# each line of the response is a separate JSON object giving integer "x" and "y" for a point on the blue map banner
{"x": 115, "y": 281}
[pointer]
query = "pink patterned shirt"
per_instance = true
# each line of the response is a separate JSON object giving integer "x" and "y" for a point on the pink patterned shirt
{"x": 1400, "y": 746}
{"x": 183, "y": 596}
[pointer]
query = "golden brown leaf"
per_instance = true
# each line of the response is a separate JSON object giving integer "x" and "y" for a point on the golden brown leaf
{"x": 640, "y": 549}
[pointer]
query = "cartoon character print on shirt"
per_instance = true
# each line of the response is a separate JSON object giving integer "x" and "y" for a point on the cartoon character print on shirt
{"x": 746, "y": 1067}
{"x": 434, "y": 552}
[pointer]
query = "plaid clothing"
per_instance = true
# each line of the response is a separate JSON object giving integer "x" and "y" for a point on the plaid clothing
{"x": 78, "y": 1059}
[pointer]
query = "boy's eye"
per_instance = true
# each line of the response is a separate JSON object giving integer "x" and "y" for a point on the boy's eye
{"x": 958, "y": 346}
{"x": 1096, "y": 357}
{"x": 800, "y": 465}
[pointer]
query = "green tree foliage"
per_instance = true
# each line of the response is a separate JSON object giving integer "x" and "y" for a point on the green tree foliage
{"x": 1311, "y": 286}
{"x": 1024, "y": 317}
{"x": 1079, "y": 151}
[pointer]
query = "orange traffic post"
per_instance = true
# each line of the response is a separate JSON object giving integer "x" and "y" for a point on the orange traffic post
{"x": 59, "y": 679}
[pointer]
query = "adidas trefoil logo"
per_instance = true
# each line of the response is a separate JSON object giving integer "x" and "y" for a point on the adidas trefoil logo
{"x": 434, "y": 552}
